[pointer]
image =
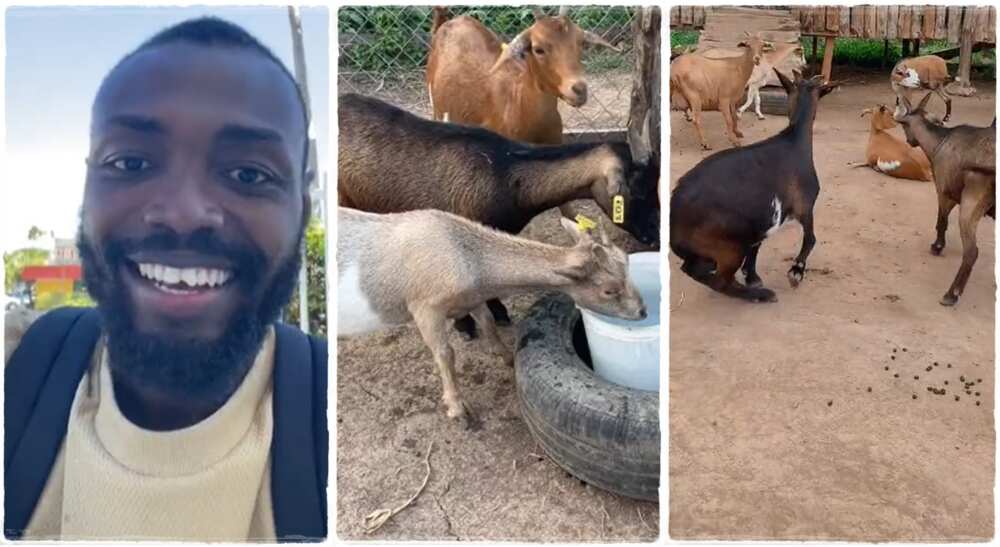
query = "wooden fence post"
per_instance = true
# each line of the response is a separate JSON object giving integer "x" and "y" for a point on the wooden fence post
{"x": 644, "y": 106}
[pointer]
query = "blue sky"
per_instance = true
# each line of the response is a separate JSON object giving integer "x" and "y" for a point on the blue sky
{"x": 56, "y": 58}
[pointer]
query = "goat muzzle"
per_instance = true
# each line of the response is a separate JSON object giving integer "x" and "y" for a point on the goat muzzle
{"x": 577, "y": 96}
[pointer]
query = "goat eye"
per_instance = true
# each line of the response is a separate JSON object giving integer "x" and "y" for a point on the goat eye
{"x": 539, "y": 51}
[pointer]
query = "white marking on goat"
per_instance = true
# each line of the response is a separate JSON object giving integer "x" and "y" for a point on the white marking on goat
{"x": 430, "y": 95}
{"x": 887, "y": 165}
{"x": 776, "y": 221}
{"x": 912, "y": 79}
{"x": 444, "y": 118}
{"x": 354, "y": 312}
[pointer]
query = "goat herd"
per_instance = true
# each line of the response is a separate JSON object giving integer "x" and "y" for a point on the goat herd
{"x": 723, "y": 209}
{"x": 428, "y": 208}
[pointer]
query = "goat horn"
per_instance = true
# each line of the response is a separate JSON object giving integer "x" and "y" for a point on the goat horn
{"x": 594, "y": 38}
{"x": 563, "y": 11}
{"x": 866, "y": 111}
{"x": 923, "y": 102}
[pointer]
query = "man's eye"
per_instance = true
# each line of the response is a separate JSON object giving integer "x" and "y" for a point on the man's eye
{"x": 131, "y": 165}
{"x": 249, "y": 175}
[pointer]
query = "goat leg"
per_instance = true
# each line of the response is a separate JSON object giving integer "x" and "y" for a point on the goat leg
{"x": 466, "y": 327}
{"x": 798, "y": 270}
{"x": 975, "y": 202}
{"x": 724, "y": 280}
{"x": 499, "y": 312}
{"x": 742, "y": 109}
{"x": 756, "y": 102}
{"x": 750, "y": 267}
{"x": 484, "y": 318}
{"x": 432, "y": 327}
{"x": 728, "y": 112}
{"x": 945, "y": 205}
{"x": 696, "y": 121}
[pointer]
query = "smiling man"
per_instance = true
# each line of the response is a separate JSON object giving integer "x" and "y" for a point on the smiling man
{"x": 179, "y": 409}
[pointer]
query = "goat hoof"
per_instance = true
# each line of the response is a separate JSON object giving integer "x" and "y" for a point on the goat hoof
{"x": 760, "y": 117}
{"x": 754, "y": 282}
{"x": 795, "y": 275}
{"x": 763, "y": 295}
{"x": 949, "y": 299}
{"x": 706, "y": 147}
{"x": 936, "y": 249}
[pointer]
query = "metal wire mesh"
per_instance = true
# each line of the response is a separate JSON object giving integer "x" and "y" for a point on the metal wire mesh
{"x": 383, "y": 53}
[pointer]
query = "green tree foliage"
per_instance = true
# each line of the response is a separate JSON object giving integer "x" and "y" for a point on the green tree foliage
{"x": 316, "y": 279}
{"x": 15, "y": 262}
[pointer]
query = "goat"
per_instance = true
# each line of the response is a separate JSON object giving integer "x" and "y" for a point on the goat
{"x": 699, "y": 82}
{"x": 887, "y": 154}
{"x": 759, "y": 76}
{"x": 392, "y": 161}
{"x": 512, "y": 89}
{"x": 723, "y": 209}
{"x": 924, "y": 72}
{"x": 964, "y": 163}
{"x": 430, "y": 266}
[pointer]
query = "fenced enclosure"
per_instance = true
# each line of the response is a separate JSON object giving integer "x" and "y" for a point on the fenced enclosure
{"x": 383, "y": 53}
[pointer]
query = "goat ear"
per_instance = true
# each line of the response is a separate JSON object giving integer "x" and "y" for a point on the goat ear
{"x": 571, "y": 228}
{"x": 785, "y": 82}
{"x": 923, "y": 102}
{"x": 575, "y": 273}
{"x": 563, "y": 11}
{"x": 899, "y": 113}
{"x": 867, "y": 111}
{"x": 596, "y": 39}
{"x": 827, "y": 87}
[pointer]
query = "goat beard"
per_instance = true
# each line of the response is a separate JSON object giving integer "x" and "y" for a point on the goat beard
{"x": 185, "y": 368}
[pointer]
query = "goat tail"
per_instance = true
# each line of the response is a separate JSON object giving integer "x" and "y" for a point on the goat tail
{"x": 438, "y": 17}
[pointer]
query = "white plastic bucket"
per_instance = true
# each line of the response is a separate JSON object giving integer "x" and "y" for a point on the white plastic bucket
{"x": 628, "y": 352}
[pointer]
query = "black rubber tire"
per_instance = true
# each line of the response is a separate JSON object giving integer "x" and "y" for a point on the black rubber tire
{"x": 774, "y": 101}
{"x": 602, "y": 433}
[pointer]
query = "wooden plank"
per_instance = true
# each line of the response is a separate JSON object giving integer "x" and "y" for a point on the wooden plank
{"x": 903, "y": 23}
{"x": 871, "y": 22}
{"x": 883, "y": 21}
{"x": 687, "y": 15}
{"x": 954, "y": 24}
{"x": 992, "y": 38}
{"x": 941, "y": 23}
{"x": 857, "y": 21}
{"x": 892, "y": 23}
{"x": 675, "y": 16}
{"x": 699, "y": 16}
{"x": 845, "y": 20}
{"x": 982, "y": 23}
{"x": 819, "y": 19}
{"x": 832, "y": 19}
{"x": 929, "y": 19}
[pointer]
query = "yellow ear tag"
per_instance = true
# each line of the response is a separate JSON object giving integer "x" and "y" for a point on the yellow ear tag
{"x": 618, "y": 209}
{"x": 584, "y": 223}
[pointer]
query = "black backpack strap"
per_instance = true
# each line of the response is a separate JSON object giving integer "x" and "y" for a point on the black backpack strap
{"x": 299, "y": 443}
{"x": 40, "y": 381}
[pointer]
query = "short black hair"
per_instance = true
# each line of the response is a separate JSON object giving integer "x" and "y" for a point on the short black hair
{"x": 215, "y": 32}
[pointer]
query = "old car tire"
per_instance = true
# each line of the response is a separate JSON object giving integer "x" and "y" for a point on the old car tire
{"x": 602, "y": 433}
{"x": 774, "y": 101}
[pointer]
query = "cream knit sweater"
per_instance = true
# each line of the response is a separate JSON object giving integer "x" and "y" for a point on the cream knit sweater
{"x": 208, "y": 482}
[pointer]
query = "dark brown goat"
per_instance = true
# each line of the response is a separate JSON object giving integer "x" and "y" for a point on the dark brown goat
{"x": 964, "y": 162}
{"x": 392, "y": 161}
{"x": 724, "y": 208}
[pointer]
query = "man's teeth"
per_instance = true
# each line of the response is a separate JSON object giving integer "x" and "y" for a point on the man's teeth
{"x": 192, "y": 277}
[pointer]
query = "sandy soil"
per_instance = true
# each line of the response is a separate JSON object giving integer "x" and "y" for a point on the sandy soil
{"x": 806, "y": 418}
{"x": 493, "y": 483}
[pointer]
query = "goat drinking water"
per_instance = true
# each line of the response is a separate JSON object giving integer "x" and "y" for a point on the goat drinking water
{"x": 724, "y": 208}
{"x": 430, "y": 266}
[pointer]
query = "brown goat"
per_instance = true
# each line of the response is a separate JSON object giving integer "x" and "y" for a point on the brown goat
{"x": 513, "y": 90}
{"x": 924, "y": 72}
{"x": 887, "y": 154}
{"x": 964, "y": 163}
{"x": 700, "y": 82}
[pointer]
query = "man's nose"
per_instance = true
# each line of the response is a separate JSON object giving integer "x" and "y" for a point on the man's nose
{"x": 184, "y": 206}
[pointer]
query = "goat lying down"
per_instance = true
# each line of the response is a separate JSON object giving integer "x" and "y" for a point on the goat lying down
{"x": 964, "y": 162}
{"x": 430, "y": 266}
{"x": 890, "y": 155}
{"x": 724, "y": 208}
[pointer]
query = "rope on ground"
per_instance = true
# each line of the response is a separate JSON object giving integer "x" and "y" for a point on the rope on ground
{"x": 377, "y": 518}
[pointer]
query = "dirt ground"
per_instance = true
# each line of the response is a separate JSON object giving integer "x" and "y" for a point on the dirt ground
{"x": 805, "y": 419}
{"x": 494, "y": 483}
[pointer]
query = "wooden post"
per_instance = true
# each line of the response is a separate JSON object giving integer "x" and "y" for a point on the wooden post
{"x": 644, "y": 106}
{"x": 965, "y": 54}
{"x": 906, "y": 47}
{"x": 815, "y": 51}
{"x": 916, "y": 47}
{"x": 885, "y": 52}
{"x": 828, "y": 58}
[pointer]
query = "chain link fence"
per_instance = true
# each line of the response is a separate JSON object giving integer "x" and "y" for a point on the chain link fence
{"x": 383, "y": 53}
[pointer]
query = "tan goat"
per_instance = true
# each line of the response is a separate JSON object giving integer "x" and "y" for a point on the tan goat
{"x": 429, "y": 266}
{"x": 513, "y": 90}
{"x": 890, "y": 155}
{"x": 924, "y": 72}
{"x": 700, "y": 82}
{"x": 964, "y": 162}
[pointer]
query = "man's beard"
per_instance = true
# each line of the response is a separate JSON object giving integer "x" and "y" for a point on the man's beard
{"x": 186, "y": 367}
